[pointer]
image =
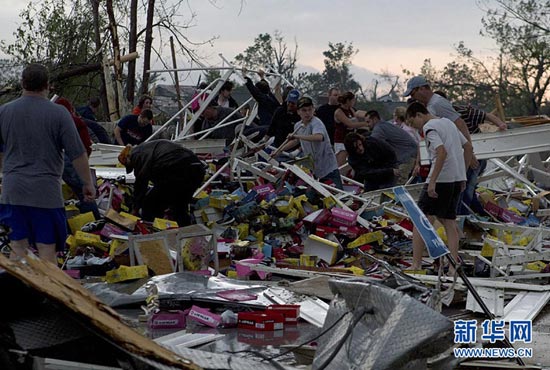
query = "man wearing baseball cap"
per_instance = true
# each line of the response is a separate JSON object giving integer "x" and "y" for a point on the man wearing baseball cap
{"x": 284, "y": 118}
{"x": 312, "y": 136}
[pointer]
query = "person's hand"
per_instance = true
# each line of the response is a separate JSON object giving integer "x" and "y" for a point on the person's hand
{"x": 261, "y": 73}
{"x": 431, "y": 190}
{"x": 502, "y": 126}
{"x": 474, "y": 163}
{"x": 462, "y": 186}
{"x": 416, "y": 170}
{"x": 291, "y": 137}
{"x": 396, "y": 171}
{"x": 89, "y": 192}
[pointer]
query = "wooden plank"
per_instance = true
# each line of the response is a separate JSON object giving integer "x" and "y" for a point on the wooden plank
{"x": 58, "y": 286}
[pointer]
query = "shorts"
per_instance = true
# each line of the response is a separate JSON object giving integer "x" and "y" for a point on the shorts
{"x": 445, "y": 205}
{"x": 339, "y": 147}
{"x": 38, "y": 225}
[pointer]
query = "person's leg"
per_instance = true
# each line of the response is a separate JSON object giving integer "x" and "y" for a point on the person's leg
{"x": 49, "y": 231}
{"x": 334, "y": 176}
{"x": 47, "y": 252}
{"x": 19, "y": 249}
{"x": 156, "y": 202}
{"x": 452, "y": 236}
{"x": 418, "y": 249}
{"x": 405, "y": 169}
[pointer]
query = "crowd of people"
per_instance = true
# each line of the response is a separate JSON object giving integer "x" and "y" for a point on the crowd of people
{"x": 45, "y": 142}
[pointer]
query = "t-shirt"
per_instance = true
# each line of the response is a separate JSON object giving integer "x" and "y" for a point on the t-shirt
{"x": 442, "y": 131}
{"x": 441, "y": 107}
{"x": 340, "y": 129}
{"x": 326, "y": 114}
{"x": 401, "y": 142}
{"x": 322, "y": 153}
{"x": 34, "y": 132}
{"x": 472, "y": 116}
{"x": 132, "y": 132}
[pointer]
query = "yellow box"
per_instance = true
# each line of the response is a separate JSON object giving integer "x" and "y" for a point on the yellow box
{"x": 130, "y": 216}
{"x": 329, "y": 202}
{"x": 307, "y": 260}
{"x": 232, "y": 274}
{"x": 163, "y": 224}
{"x": 124, "y": 273}
{"x": 367, "y": 239}
{"x": 243, "y": 230}
{"x": 117, "y": 247}
{"x": 76, "y": 222}
{"x": 71, "y": 242}
{"x": 292, "y": 261}
{"x": 322, "y": 248}
{"x": 94, "y": 240}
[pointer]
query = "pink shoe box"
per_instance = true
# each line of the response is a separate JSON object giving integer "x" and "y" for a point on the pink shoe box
{"x": 263, "y": 190}
{"x": 341, "y": 217}
{"x": 205, "y": 317}
{"x": 167, "y": 320}
{"x": 291, "y": 312}
{"x": 263, "y": 321}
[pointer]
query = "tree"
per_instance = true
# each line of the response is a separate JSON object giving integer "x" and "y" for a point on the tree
{"x": 521, "y": 29}
{"x": 337, "y": 61}
{"x": 271, "y": 52}
{"x": 62, "y": 35}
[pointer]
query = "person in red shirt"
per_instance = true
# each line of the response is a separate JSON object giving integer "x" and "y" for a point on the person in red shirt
{"x": 145, "y": 102}
{"x": 70, "y": 176}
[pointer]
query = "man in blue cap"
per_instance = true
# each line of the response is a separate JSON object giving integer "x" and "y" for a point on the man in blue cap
{"x": 284, "y": 119}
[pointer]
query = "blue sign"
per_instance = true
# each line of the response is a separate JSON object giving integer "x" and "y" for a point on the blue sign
{"x": 436, "y": 247}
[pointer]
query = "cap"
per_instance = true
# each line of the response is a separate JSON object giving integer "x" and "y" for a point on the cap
{"x": 293, "y": 96}
{"x": 413, "y": 83}
{"x": 124, "y": 156}
{"x": 304, "y": 102}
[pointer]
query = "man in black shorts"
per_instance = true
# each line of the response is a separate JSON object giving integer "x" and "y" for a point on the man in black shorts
{"x": 449, "y": 152}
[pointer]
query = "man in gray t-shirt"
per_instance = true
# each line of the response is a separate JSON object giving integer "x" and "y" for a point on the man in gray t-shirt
{"x": 314, "y": 140}
{"x": 34, "y": 132}
{"x": 401, "y": 142}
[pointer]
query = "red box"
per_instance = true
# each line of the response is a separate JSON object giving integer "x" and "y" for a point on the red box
{"x": 263, "y": 321}
{"x": 291, "y": 312}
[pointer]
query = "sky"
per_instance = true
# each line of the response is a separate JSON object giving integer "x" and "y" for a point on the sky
{"x": 389, "y": 34}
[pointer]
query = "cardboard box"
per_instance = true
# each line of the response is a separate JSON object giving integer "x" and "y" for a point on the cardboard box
{"x": 76, "y": 222}
{"x": 263, "y": 321}
{"x": 163, "y": 224}
{"x": 167, "y": 320}
{"x": 124, "y": 273}
{"x": 342, "y": 217}
{"x": 291, "y": 312}
{"x": 322, "y": 248}
{"x": 205, "y": 317}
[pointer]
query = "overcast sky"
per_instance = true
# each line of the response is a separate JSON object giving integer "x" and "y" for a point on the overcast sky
{"x": 390, "y": 34}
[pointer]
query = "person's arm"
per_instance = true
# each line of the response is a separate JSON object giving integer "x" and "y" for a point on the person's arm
{"x": 118, "y": 136}
{"x": 290, "y": 144}
{"x": 313, "y": 137}
{"x": 496, "y": 121}
{"x": 340, "y": 116}
{"x": 468, "y": 153}
{"x": 463, "y": 128}
{"x": 82, "y": 167}
{"x": 440, "y": 155}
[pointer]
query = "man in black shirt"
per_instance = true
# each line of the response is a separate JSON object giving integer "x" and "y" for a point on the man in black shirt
{"x": 326, "y": 111}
